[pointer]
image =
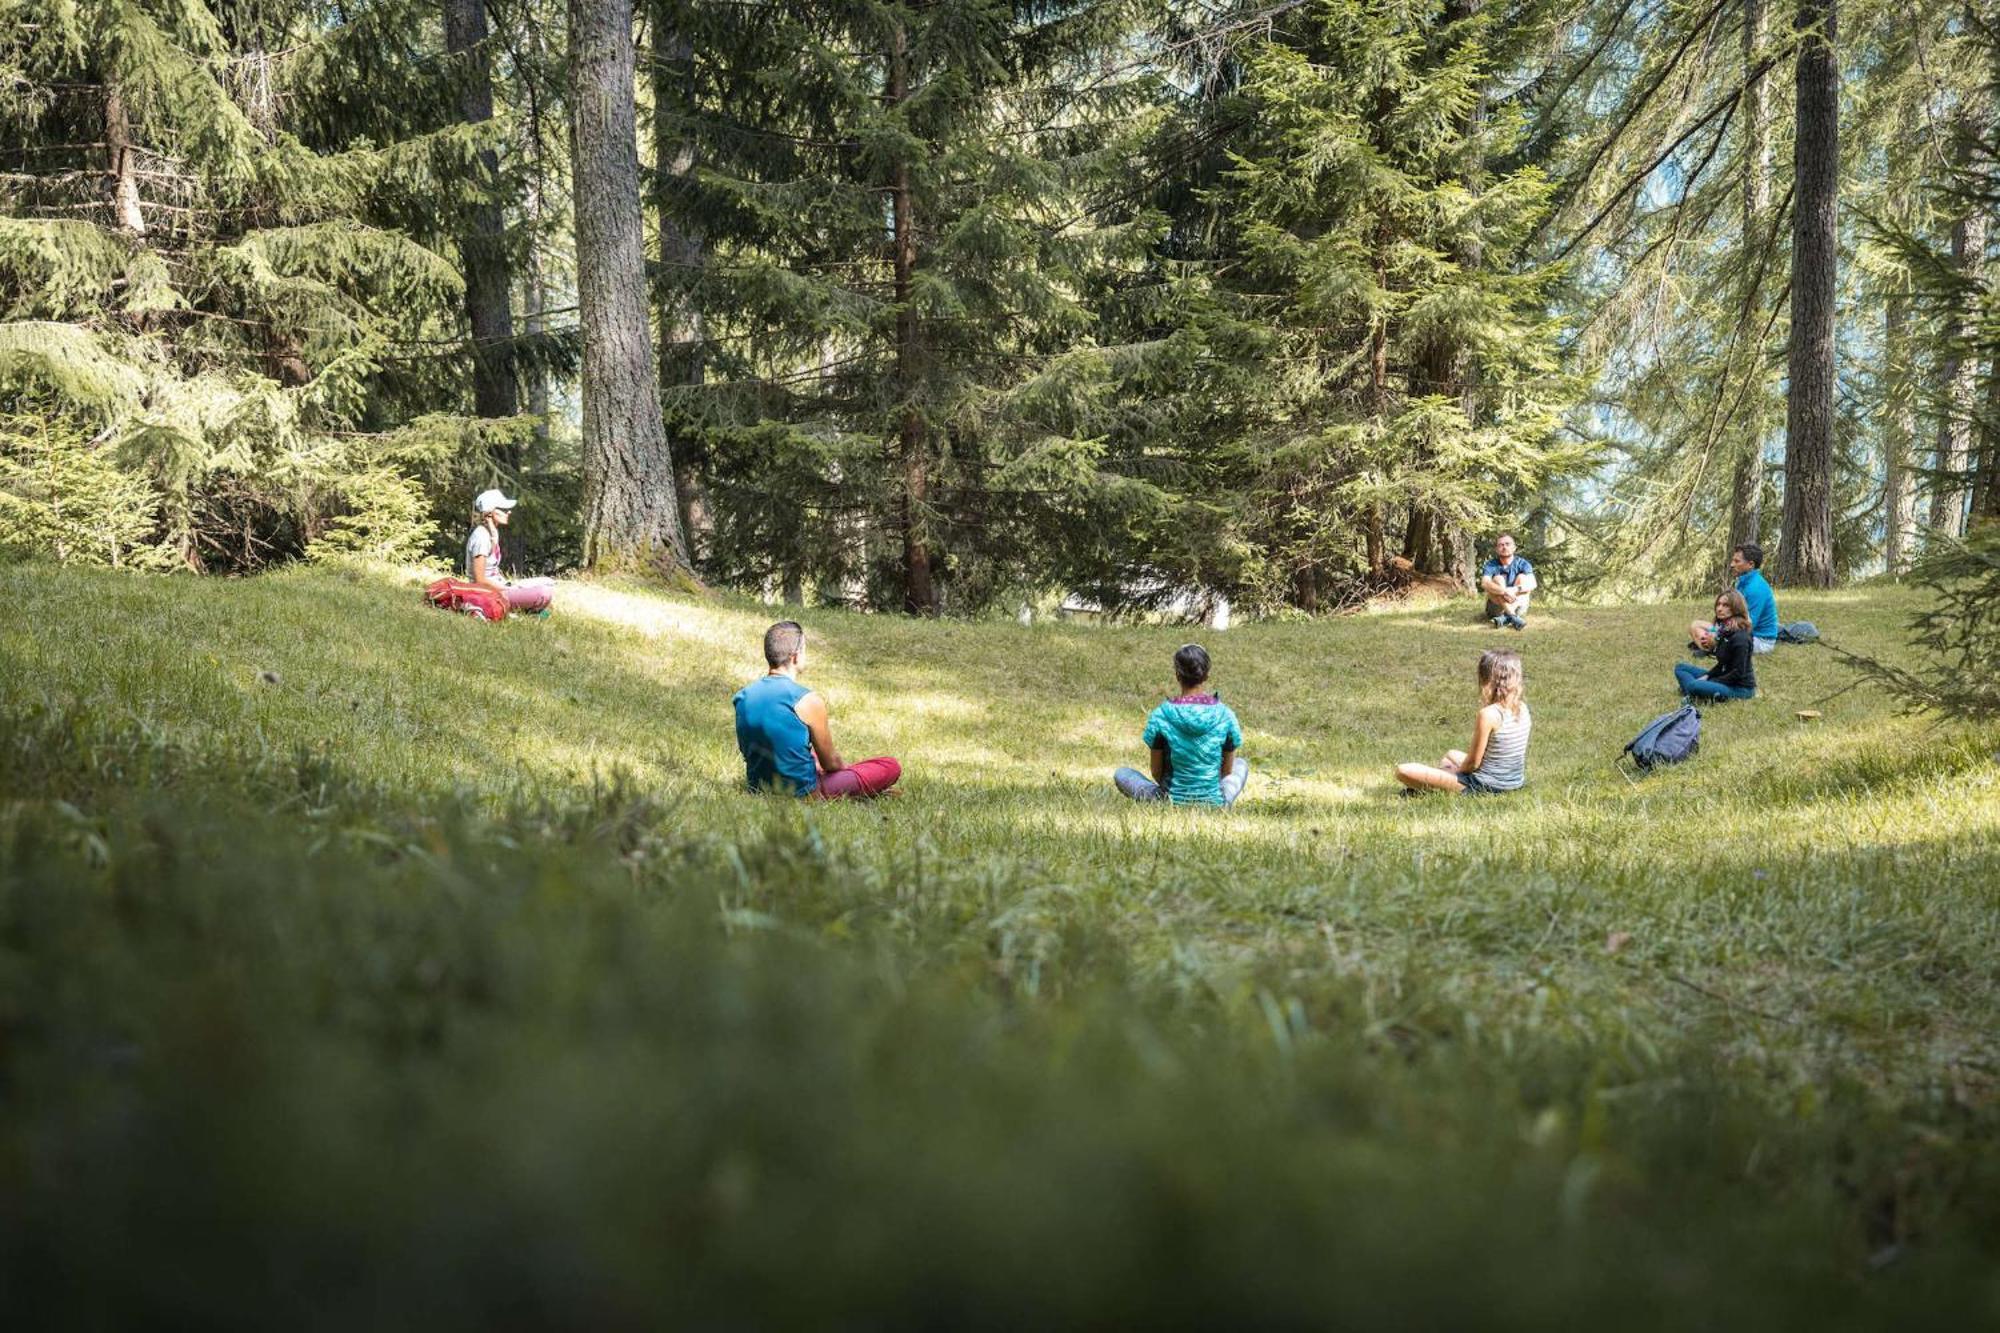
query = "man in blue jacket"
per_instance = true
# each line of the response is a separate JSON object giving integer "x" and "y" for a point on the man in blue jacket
{"x": 1746, "y": 563}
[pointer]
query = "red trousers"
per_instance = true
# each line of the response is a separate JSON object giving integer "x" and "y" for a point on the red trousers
{"x": 869, "y": 777}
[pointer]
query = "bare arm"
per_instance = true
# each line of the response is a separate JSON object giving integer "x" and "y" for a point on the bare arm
{"x": 483, "y": 572}
{"x": 1482, "y": 731}
{"x": 1162, "y": 767}
{"x": 1228, "y": 759}
{"x": 812, "y": 711}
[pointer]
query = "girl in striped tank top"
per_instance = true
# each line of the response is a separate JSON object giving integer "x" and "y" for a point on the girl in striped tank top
{"x": 1498, "y": 759}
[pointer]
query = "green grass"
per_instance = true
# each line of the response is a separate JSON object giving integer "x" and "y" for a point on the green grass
{"x": 443, "y": 970}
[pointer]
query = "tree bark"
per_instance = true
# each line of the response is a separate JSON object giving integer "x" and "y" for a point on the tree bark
{"x": 1986, "y": 479}
{"x": 1378, "y": 404}
{"x": 1958, "y": 385}
{"x": 1805, "y": 550}
{"x": 124, "y": 164}
{"x": 535, "y": 290}
{"x": 1899, "y": 433}
{"x": 483, "y": 244}
{"x": 683, "y": 353}
{"x": 1746, "y": 490}
{"x": 919, "y": 588}
{"x": 631, "y": 519}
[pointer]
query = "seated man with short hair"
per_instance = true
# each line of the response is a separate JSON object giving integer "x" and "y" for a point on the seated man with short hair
{"x": 1746, "y": 563}
{"x": 1507, "y": 579}
{"x": 783, "y": 734}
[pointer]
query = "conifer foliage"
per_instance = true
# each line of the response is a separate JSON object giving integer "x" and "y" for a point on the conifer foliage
{"x": 228, "y": 265}
{"x": 941, "y": 306}
{"x": 1374, "y": 370}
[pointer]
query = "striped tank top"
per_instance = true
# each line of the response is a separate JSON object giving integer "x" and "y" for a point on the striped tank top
{"x": 1504, "y": 766}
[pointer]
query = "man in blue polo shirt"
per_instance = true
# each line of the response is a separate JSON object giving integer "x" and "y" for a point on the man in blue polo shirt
{"x": 1746, "y": 564}
{"x": 1507, "y": 579}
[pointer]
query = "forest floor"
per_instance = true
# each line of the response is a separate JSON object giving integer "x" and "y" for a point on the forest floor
{"x": 361, "y": 963}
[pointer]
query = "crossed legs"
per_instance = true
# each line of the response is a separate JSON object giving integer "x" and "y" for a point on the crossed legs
{"x": 1441, "y": 776}
{"x": 858, "y": 781}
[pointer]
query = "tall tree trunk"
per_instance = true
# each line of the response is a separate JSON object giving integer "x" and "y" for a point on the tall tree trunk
{"x": 1958, "y": 385}
{"x": 483, "y": 246}
{"x": 919, "y": 589}
{"x": 1986, "y": 480}
{"x": 535, "y": 290}
{"x": 683, "y": 355}
{"x": 1805, "y": 551}
{"x": 124, "y": 164}
{"x": 631, "y": 519}
{"x": 1378, "y": 403}
{"x": 1899, "y": 434}
{"x": 1453, "y": 538}
{"x": 1746, "y": 489}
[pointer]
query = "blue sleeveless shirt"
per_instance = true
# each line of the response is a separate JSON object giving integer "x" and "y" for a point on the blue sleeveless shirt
{"x": 777, "y": 748}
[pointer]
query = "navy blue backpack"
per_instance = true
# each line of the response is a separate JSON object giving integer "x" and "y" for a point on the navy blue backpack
{"x": 1667, "y": 739}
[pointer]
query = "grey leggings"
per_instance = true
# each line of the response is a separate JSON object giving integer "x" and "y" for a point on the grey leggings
{"x": 1142, "y": 788}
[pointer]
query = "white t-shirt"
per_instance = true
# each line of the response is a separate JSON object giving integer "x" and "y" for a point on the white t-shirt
{"x": 481, "y": 542}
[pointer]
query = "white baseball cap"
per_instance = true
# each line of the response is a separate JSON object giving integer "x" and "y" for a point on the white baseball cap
{"x": 489, "y": 501}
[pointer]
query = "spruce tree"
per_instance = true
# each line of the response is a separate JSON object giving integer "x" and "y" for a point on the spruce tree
{"x": 1805, "y": 548}
{"x": 905, "y": 394}
{"x": 1380, "y": 354}
{"x": 631, "y": 519}
{"x": 258, "y": 299}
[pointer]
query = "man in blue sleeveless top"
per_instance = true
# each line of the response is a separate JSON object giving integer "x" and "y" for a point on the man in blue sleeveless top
{"x": 1507, "y": 579}
{"x": 783, "y": 733}
{"x": 1746, "y": 565}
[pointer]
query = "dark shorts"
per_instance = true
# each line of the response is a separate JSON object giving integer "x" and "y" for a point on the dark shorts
{"x": 1471, "y": 784}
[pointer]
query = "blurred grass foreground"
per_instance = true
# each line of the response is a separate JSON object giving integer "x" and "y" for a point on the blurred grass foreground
{"x": 362, "y": 966}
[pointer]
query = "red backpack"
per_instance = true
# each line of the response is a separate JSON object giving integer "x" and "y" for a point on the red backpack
{"x": 475, "y": 599}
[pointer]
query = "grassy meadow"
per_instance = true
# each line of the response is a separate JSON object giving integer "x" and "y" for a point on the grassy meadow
{"x": 360, "y": 963}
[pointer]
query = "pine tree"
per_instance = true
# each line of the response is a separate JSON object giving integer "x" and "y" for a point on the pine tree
{"x": 900, "y": 243}
{"x": 260, "y": 301}
{"x": 631, "y": 519}
{"x": 488, "y": 282}
{"x": 1805, "y": 549}
{"x": 1376, "y": 350}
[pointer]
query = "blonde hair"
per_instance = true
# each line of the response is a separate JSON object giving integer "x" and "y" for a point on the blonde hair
{"x": 1500, "y": 679}
{"x": 1739, "y": 609}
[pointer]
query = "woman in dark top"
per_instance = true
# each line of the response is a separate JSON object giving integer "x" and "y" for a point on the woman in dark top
{"x": 1732, "y": 676}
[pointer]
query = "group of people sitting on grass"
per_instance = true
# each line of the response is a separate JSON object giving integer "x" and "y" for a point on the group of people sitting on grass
{"x": 1193, "y": 739}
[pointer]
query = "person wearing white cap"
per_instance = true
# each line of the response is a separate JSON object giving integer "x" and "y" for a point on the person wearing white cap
{"x": 482, "y": 557}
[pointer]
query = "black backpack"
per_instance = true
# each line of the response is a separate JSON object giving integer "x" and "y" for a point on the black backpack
{"x": 1667, "y": 739}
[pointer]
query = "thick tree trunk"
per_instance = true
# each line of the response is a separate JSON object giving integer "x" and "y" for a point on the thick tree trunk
{"x": 1958, "y": 385}
{"x": 631, "y": 519}
{"x": 919, "y": 589}
{"x": 123, "y": 168}
{"x": 683, "y": 354}
{"x": 1805, "y": 550}
{"x": 483, "y": 246}
{"x": 1746, "y": 489}
{"x": 1899, "y": 433}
